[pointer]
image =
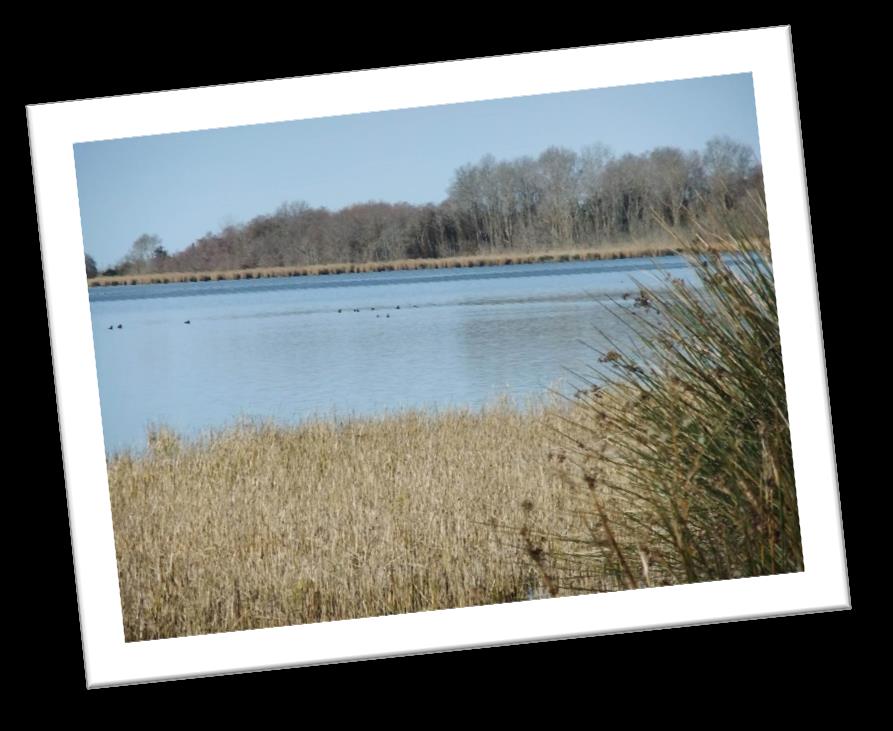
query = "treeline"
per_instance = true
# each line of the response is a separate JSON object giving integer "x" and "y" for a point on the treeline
{"x": 561, "y": 199}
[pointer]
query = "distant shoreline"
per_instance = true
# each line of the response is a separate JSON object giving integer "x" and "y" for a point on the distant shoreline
{"x": 625, "y": 251}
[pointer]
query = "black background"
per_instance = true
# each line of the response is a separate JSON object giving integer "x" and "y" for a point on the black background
{"x": 552, "y": 678}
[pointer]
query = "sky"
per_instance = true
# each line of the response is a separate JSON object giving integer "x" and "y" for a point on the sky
{"x": 181, "y": 186}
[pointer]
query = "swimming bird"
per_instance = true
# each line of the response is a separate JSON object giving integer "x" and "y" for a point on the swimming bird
{"x": 111, "y": 327}
{"x": 186, "y": 322}
{"x": 339, "y": 312}
{"x": 120, "y": 326}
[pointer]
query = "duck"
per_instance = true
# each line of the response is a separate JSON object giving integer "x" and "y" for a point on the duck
{"x": 187, "y": 322}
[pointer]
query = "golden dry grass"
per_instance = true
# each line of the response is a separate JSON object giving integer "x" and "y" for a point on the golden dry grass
{"x": 263, "y": 526}
{"x": 619, "y": 251}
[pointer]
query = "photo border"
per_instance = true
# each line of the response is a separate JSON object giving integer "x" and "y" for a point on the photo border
{"x": 54, "y": 128}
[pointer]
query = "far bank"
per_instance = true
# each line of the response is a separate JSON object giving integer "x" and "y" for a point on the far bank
{"x": 622, "y": 251}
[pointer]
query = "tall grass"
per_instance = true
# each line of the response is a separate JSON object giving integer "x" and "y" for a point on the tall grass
{"x": 680, "y": 449}
{"x": 264, "y": 526}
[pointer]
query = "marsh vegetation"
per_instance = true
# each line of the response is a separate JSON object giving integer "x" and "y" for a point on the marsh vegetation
{"x": 264, "y": 526}
{"x": 670, "y": 463}
{"x": 624, "y": 251}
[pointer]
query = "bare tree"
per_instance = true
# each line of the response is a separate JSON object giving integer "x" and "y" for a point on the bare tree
{"x": 593, "y": 224}
{"x": 558, "y": 175}
{"x": 671, "y": 181}
{"x": 141, "y": 251}
{"x": 727, "y": 164}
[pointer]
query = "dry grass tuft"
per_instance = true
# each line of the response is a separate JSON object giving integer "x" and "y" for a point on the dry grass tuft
{"x": 681, "y": 454}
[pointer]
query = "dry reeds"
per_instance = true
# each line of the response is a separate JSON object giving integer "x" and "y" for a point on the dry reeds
{"x": 262, "y": 526}
{"x": 604, "y": 252}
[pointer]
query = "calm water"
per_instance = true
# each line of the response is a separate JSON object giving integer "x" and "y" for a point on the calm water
{"x": 279, "y": 349}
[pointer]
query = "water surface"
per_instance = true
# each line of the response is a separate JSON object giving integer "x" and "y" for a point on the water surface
{"x": 280, "y": 349}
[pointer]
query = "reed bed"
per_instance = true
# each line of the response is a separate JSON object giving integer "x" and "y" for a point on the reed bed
{"x": 620, "y": 251}
{"x": 679, "y": 452}
{"x": 264, "y": 526}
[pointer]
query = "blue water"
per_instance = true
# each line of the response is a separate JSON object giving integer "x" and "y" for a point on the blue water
{"x": 279, "y": 349}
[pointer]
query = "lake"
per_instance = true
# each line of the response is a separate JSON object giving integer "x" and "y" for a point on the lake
{"x": 279, "y": 349}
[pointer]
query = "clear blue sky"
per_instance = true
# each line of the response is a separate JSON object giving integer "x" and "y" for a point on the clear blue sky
{"x": 180, "y": 186}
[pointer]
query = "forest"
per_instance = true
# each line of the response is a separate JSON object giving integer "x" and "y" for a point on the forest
{"x": 560, "y": 199}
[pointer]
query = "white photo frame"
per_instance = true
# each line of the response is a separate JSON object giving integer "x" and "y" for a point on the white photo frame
{"x": 55, "y": 128}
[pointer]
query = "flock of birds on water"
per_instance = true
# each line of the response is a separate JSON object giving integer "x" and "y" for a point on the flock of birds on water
{"x": 372, "y": 309}
{"x": 355, "y": 309}
{"x": 121, "y": 327}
